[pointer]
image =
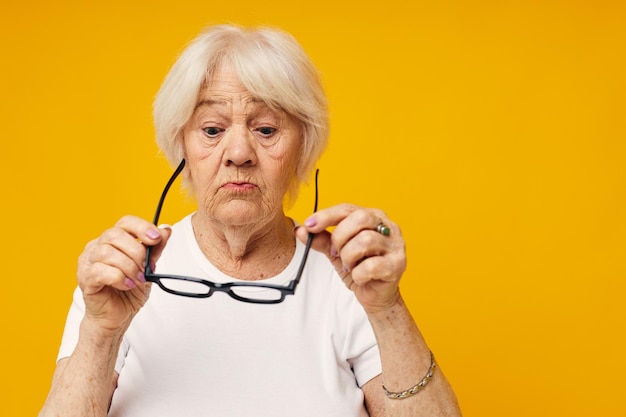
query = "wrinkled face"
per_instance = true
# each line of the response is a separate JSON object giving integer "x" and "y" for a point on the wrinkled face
{"x": 241, "y": 155}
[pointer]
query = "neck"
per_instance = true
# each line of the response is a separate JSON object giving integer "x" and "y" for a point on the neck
{"x": 252, "y": 252}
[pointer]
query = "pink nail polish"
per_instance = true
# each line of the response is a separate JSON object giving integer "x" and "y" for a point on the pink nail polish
{"x": 310, "y": 222}
{"x": 141, "y": 277}
{"x": 130, "y": 283}
{"x": 153, "y": 234}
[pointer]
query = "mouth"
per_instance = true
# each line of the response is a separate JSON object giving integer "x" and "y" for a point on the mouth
{"x": 239, "y": 186}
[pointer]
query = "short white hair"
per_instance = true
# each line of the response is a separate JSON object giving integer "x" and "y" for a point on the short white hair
{"x": 271, "y": 65}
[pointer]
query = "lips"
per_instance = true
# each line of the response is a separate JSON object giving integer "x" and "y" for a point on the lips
{"x": 239, "y": 186}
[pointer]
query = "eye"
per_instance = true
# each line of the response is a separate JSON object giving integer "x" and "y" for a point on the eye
{"x": 212, "y": 131}
{"x": 267, "y": 131}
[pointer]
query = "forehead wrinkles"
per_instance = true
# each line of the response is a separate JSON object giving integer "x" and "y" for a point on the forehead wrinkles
{"x": 224, "y": 101}
{"x": 225, "y": 89}
{"x": 243, "y": 101}
{"x": 244, "y": 106}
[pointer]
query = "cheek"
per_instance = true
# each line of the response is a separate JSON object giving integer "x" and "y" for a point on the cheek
{"x": 186, "y": 143}
{"x": 291, "y": 151}
{"x": 193, "y": 147}
{"x": 189, "y": 142}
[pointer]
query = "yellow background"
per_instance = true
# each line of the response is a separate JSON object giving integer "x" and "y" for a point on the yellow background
{"x": 492, "y": 131}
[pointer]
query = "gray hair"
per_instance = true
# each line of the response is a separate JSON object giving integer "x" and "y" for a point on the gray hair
{"x": 271, "y": 65}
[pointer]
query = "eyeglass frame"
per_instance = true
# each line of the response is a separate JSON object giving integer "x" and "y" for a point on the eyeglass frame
{"x": 227, "y": 287}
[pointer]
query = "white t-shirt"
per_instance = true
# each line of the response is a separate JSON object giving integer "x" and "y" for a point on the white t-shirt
{"x": 216, "y": 356}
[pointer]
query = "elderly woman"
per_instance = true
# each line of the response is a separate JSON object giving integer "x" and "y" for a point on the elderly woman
{"x": 285, "y": 332}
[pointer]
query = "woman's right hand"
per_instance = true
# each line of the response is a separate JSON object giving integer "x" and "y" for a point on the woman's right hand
{"x": 111, "y": 271}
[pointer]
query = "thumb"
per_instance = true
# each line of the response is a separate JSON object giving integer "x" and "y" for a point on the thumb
{"x": 166, "y": 232}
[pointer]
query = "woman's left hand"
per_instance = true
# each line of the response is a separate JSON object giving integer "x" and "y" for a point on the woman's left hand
{"x": 369, "y": 262}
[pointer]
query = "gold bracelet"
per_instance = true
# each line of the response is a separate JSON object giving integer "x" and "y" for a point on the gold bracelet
{"x": 417, "y": 387}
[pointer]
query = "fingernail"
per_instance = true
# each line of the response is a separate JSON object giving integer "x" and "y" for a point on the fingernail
{"x": 141, "y": 277}
{"x": 310, "y": 222}
{"x": 153, "y": 234}
{"x": 130, "y": 283}
{"x": 345, "y": 268}
{"x": 152, "y": 266}
{"x": 334, "y": 252}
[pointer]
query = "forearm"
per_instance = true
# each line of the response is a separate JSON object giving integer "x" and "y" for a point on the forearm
{"x": 406, "y": 360}
{"x": 83, "y": 386}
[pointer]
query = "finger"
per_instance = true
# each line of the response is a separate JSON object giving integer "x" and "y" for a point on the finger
{"x": 101, "y": 275}
{"x": 140, "y": 229}
{"x": 145, "y": 233}
{"x": 124, "y": 255}
{"x": 385, "y": 268}
{"x": 328, "y": 217}
{"x": 375, "y": 268}
{"x": 364, "y": 245}
{"x": 119, "y": 249}
{"x": 122, "y": 248}
{"x": 365, "y": 218}
{"x": 349, "y": 220}
{"x": 136, "y": 250}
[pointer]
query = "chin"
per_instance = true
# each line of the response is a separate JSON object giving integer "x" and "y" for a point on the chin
{"x": 240, "y": 212}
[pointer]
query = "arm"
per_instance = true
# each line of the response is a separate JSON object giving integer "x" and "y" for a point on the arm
{"x": 83, "y": 384}
{"x": 406, "y": 360}
{"x": 110, "y": 276}
{"x": 371, "y": 265}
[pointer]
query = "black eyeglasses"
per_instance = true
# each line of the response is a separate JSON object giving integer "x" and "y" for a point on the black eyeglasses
{"x": 249, "y": 292}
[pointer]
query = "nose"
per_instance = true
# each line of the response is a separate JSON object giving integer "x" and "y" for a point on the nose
{"x": 239, "y": 149}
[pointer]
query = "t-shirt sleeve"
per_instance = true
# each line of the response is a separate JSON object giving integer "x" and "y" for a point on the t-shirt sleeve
{"x": 361, "y": 348}
{"x": 358, "y": 346}
{"x": 72, "y": 328}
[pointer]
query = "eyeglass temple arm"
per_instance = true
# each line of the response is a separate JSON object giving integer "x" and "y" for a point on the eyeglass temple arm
{"x": 176, "y": 173}
{"x": 179, "y": 169}
{"x": 309, "y": 240}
